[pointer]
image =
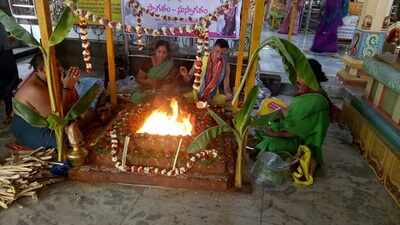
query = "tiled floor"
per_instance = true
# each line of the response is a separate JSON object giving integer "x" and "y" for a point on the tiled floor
{"x": 270, "y": 61}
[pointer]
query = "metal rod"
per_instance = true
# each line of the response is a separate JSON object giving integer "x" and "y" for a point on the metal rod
{"x": 307, "y": 23}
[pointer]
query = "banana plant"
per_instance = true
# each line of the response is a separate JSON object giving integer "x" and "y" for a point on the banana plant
{"x": 60, "y": 31}
{"x": 53, "y": 121}
{"x": 297, "y": 66}
{"x": 239, "y": 129}
{"x": 294, "y": 61}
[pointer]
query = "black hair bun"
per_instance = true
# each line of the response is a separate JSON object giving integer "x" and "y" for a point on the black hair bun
{"x": 317, "y": 69}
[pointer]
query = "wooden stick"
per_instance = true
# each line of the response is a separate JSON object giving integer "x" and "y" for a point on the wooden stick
{"x": 177, "y": 153}
{"x": 125, "y": 152}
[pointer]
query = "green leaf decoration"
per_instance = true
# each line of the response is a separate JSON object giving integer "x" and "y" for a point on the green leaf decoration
{"x": 29, "y": 115}
{"x": 83, "y": 103}
{"x": 200, "y": 142}
{"x": 221, "y": 122}
{"x": 242, "y": 117}
{"x": 63, "y": 27}
{"x": 16, "y": 30}
{"x": 55, "y": 122}
{"x": 264, "y": 119}
{"x": 294, "y": 61}
{"x": 300, "y": 67}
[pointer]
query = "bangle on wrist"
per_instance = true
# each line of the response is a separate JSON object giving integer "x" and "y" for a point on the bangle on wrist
{"x": 65, "y": 88}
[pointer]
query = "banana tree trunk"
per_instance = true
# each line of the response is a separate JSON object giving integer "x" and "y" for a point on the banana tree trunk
{"x": 59, "y": 132}
{"x": 239, "y": 165}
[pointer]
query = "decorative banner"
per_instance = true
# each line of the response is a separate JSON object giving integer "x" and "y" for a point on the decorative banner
{"x": 226, "y": 26}
{"x": 97, "y": 8}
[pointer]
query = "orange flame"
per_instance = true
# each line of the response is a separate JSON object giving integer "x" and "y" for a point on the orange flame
{"x": 161, "y": 123}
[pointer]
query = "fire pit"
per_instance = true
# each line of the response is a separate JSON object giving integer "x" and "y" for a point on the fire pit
{"x": 165, "y": 129}
{"x": 159, "y": 134}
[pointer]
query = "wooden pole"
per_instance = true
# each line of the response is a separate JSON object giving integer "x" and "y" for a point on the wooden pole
{"x": 240, "y": 56}
{"x": 53, "y": 78}
{"x": 112, "y": 85}
{"x": 292, "y": 19}
{"x": 258, "y": 21}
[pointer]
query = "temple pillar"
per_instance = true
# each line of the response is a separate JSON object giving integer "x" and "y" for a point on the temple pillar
{"x": 369, "y": 37}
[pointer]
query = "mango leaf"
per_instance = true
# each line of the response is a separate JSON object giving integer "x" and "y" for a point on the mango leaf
{"x": 241, "y": 119}
{"x": 221, "y": 122}
{"x": 29, "y": 115}
{"x": 63, "y": 27}
{"x": 83, "y": 103}
{"x": 55, "y": 122}
{"x": 203, "y": 139}
{"x": 11, "y": 26}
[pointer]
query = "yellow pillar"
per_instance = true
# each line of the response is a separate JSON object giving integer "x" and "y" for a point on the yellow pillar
{"x": 292, "y": 19}
{"x": 112, "y": 85}
{"x": 258, "y": 21}
{"x": 240, "y": 56}
{"x": 54, "y": 81}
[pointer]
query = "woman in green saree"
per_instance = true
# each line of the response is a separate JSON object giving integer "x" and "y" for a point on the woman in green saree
{"x": 157, "y": 73}
{"x": 304, "y": 122}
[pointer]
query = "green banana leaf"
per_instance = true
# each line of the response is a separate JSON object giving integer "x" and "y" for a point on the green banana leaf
{"x": 16, "y": 30}
{"x": 264, "y": 119}
{"x": 29, "y": 115}
{"x": 83, "y": 103}
{"x": 63, "y": 27}
{"x": 301, "y": 67}
{"x": 242, "y": 117}
{"x": 294, "y": 61}
{"x": 55, "y": 122}
{"x": 221, "y": 122}
{"x": 202, "y": 140}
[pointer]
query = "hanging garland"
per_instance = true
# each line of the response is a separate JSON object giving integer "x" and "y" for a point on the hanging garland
{"x": 165, "y": 31}
{"x": 83, "y": 33}
{"x": 151, "y": 170}
{"x": 199, "y": 29}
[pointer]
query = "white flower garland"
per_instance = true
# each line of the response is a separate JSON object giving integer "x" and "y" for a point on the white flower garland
{"x": 151, "y": 170}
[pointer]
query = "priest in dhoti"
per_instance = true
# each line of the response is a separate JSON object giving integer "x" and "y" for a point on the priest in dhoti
{"x": 215, "y": 87}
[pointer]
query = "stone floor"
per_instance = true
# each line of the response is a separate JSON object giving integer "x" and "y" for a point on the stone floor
{"x": 271, "y": 63}
{"x": 345, "y": 193}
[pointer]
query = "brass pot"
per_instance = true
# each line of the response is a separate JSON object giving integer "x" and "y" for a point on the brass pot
{"x": 77, "y": 155}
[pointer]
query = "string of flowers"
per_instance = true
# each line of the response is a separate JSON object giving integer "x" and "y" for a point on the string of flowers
{"x": 152, "y": 170}
{"x": 83, "y": 33}
{"x": 200, "y": 28}
{"x": 156, "y": 32}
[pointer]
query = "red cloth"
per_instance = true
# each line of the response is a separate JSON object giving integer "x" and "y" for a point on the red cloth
{"x": 214, "y": 73}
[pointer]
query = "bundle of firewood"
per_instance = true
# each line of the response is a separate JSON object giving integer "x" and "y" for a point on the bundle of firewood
{"x": 24, "y": 173}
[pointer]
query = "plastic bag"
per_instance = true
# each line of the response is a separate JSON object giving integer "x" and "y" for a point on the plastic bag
{"x": 270, "y": 168}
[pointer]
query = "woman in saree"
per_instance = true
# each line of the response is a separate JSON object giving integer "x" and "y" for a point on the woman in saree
{"x": 304, "y": 122}
{"x": 157, "y": 73}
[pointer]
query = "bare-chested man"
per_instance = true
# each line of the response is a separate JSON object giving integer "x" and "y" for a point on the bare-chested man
{"x": 34, "y": 93}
